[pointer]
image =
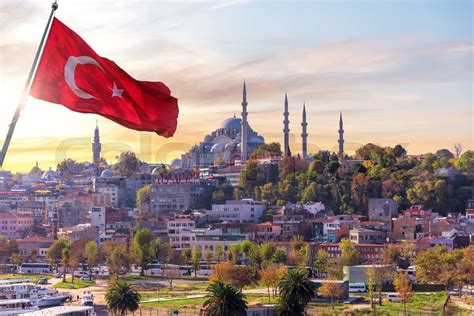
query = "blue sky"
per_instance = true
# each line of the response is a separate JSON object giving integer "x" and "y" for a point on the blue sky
{"x": 401, "y": 71}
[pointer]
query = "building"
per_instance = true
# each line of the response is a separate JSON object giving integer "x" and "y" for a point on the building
{"x": 268, "y": 231}
{"x": 382, "y": 210}
{"x": 367, "y": 236}
{"x": 38, "y": 243}
{"x": 225, "y": 143}
{"x": 177, "y": 194}
{"x": 14, "y": 226}
{"x": 341, "y": 137}
{"x": 368, "y": 253}
{"x": 110, "y": 190}
{"x": 245, "y": 210}
{"x": 96, "y": 147}
{"x": 286, "y": 129}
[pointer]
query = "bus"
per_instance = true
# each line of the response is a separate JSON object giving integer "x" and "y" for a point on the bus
{"x": 35, "y": 268}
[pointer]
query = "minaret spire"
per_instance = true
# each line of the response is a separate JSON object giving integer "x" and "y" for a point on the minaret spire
{"x": 96, "y": 146}
{"x": 341, "y": 137}
{"x": 244, "y": 126}
{"x": 286, "y": 129}
{"x": 304, "y": 134}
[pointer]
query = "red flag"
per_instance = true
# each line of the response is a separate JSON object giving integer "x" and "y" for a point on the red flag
{"x": 72, "y": 74}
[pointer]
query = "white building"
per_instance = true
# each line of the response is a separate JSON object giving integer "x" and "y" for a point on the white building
{"x": 98, "y": 217}
{"x": 314, "y": 207}
{"x": 111, "y": 190}
{"x": 245, "y": 210}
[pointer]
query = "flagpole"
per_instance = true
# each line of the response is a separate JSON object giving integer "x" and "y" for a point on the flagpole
{"x": 29, "y": 82}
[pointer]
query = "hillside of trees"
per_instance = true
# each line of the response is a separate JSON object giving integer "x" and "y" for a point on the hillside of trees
{"x": 383, "y": 172}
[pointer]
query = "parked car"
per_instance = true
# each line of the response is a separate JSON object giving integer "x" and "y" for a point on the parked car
{"x": 58, "y": 275}
{"x": 394, "y": 297}
{"x": 86, "y": 278}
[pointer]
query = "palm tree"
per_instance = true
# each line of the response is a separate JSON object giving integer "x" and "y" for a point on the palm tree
{"x": 223, "y": 299}
{"x": 296, "y": 290}
{"x": 122, "y": 297}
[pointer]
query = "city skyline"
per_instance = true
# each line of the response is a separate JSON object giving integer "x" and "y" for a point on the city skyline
{"x": 385, "y": 80}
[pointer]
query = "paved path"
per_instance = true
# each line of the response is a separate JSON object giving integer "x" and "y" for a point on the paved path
{"x": 457, "y": 301}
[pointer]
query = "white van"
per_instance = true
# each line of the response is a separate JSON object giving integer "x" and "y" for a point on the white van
{"x": 394, "y": 297}
{"x": 357, "y": 287}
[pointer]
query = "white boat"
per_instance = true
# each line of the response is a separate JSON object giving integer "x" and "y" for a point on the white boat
{"x": 17, "y": 306}
{"x": 41, "y": 297}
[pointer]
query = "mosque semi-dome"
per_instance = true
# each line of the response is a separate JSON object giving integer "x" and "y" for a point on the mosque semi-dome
{"x": 106, "y": 173}
{"x": 217, "y": 148}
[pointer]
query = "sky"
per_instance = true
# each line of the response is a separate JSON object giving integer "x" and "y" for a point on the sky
{"x": 401, "y": 72}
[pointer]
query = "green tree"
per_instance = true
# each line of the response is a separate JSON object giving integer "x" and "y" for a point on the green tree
{"x": 320, "y": 264}
{"x": 91, "y": 254}
{"x": 122, "y": 297}
{"x": 127, "y": 163}
{"x": 144, "y": 248}
{"x": 197, "y": 253}
{"x": 208, "y": 257}
{"x": 279, "y": 256}
{"x": 143, "y": 200}
{"x": 65, "y": 259}
{"x": 223, "y": 299}
{"x": 296, "y": 291}
{"x": 69, "y": 168}
{"x": 218, "y": 197}
{"x": 187, "y": 255}
{"x": 370, "y": 272}
{"x": 55, "y": 251}
{"x": 16, "y": 260}
{"x": 219, "y": 252}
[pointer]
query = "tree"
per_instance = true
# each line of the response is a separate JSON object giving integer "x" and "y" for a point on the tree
{"x": 15, "y": 259}
{"x": 238, "y": 276}
{"x": 122, "y": 297}
{"x": 219, "y": 252}
{"x": 331, "y": 289}
{"x": 118, "y": 260}
{"x": 187, "y": 255}
{"x": 235, "y": 250}
{"x": 370, "y": 272}
{"x": 320, "y": 264}
{"x": 33, "y": 255}
{"x": 279, "y": 256}
{"x": 171, "y": 273}
{"x": 197, "y": 253}
{"x": 402, "y": 285}
{"x": 55, "y": 251}
{"x": 144, "y": 248}
{"x": 164, "y": 253}
{"x": 143, "y": 198}
{"x": 223, "y": 299}
{"x": 296, "y": 291}
{"x": 91, "y": 254}
{"x": 218, "y": 197}
{"x": 127, "y": 163}
{"x": 271, "y": 275}
{"x": 65, "y": 259}
{"x": 349, "y": 255}
{"x": 69, "y": 167}
{"x": 208, "y": 257}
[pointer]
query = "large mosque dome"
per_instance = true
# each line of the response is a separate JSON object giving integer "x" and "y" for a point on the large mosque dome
{"x": 231, "y": 123}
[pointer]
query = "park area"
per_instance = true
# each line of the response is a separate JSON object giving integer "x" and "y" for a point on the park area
{"x": 188, "y": 294}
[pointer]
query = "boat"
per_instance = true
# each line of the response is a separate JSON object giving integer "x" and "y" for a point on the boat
{"x": 41, "y": 297}
{"x": 17, "y": 306}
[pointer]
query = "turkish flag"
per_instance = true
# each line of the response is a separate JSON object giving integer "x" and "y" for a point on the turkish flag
{"x": 72, "y": 74}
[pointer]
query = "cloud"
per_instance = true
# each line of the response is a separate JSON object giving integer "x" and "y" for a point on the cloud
{"x": 223, "y": 4}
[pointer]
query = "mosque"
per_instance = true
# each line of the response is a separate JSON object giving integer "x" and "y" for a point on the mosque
{"x": 233, "y": 140}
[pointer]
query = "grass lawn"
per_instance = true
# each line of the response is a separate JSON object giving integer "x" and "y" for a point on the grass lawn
{"x": 177, "y": 303}
{"x": 183, "y": 302}
{"x": 316, "y": 308}
{"x": 420, "y": 303}
{"x": 78, "y": 284}
{"x": 33, "y": 277}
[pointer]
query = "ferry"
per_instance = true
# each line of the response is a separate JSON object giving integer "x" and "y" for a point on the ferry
{"x": 41, "y": 297}
{"x": 17, "y": 306}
